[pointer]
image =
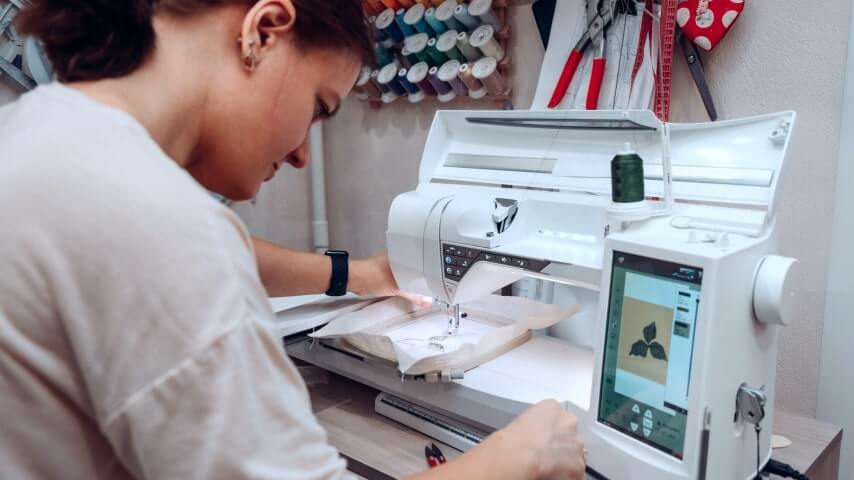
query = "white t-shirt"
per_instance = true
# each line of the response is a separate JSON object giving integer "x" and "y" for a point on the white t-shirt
{"x": 135, "y": 335}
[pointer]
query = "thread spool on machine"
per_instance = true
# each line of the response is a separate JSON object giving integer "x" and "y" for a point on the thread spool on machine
{"x": 434, "y": 33}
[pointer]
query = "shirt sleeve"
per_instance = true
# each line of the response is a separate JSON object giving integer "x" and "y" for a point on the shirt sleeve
{"x": 235, "y": 410}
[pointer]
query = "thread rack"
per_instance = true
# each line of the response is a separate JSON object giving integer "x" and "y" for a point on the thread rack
{"x": 445, "y": 49}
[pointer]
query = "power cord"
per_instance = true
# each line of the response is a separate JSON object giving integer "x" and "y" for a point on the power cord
{"x": 783, "y": 470}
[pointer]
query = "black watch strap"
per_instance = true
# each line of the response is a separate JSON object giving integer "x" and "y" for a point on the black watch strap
{"x": 340, "y": 272}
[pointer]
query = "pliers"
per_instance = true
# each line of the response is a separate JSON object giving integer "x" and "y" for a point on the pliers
{"x": 599, "y": 17}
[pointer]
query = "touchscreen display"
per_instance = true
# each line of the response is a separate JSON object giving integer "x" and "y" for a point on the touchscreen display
{"x": 649, "y": 346}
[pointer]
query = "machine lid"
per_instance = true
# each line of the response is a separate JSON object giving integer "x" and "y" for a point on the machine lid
{"x": 732, "y": 162}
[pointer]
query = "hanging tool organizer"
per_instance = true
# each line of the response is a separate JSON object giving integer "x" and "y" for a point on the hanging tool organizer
{"x": 446, "y": 49}
{"x": 610, "y": 55}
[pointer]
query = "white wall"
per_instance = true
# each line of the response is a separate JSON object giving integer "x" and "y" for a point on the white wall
{"x": 781, "y": 55}
{"x": 281, "y": 212}
{"x": 835, "y": 389}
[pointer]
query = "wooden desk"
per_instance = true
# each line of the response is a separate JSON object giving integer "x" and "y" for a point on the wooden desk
{"x": 815, "y": 449}
{"x": 380, "y": 449}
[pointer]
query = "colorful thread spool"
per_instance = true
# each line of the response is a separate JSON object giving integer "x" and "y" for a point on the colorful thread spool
{"x": 400, "y": 20}
{"x": 376, "y": 6}
{"x": 437, "y": 57}
{"x": 363, "y": 89}
{"x": 388, "y": 78}
{"x": 461, "y": 13}
{"x": 486, "y": 70}
{"x": 447, "y": 44}
{"x": 476, "y": 89}
{"x": 386, "y": 95}
{"x": 445, "y": 14}
{"x": 417, "y": 45}
{"x": 449, "y": 72}
{"x": 408, "y": 58}
{"x": 445, "y": 93}
{"x": 472, "y": 54}
{"x": 386, "y": 23}
{"x": 436, "y": 25}
{"x": 484, "y": 39}
{"x": 482, "y": 9}
{"x": 392, "y": 4}
{"x": 382, "y": 55}
{"x": 415, "y": 17}
{"x": 419, "y": 75}
{"x": 406, "y": 3}
{"x": 415, "y": 94}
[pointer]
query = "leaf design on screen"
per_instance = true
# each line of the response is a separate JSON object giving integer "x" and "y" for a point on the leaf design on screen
{"x": 649, "y": 345}
{"x": 649, "y": 332}
{"x": 657, "y": 351}
{"x": 639, "y": 349}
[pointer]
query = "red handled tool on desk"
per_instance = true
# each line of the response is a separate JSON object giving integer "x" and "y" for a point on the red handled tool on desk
{"x": 434, "y": 456}
{"x": 600, "y": 15}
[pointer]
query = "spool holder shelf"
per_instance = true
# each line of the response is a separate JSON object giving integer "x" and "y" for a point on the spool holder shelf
{"x": 504, "y": 68}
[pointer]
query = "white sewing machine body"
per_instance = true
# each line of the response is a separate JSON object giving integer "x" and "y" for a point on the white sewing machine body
{"x": 504, "y": 196}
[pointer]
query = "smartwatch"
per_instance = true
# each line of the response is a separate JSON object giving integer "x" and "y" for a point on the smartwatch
{"x": 340, "y": 272}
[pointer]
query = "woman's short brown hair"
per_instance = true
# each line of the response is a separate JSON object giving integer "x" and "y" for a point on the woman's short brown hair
{"x": 97, "y": 39}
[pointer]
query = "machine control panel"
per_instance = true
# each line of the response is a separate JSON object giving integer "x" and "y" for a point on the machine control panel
{"x": 457, "y": 260}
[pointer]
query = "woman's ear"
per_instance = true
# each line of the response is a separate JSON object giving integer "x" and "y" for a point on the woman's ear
{"x": 265, "y": 24}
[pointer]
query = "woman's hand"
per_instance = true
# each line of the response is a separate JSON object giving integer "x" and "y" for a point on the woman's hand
{"x": 372, "y": 277}
{"x": 547, "y": 434}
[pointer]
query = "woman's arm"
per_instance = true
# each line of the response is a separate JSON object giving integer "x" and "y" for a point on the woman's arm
{"x": 286, "y": 272}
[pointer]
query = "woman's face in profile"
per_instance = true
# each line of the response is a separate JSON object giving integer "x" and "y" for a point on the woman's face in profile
{"x": 257, "y": 122}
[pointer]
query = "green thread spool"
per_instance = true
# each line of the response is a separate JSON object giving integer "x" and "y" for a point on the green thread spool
{"x": 437, "y": 57}
{"x": 627, "y": 180}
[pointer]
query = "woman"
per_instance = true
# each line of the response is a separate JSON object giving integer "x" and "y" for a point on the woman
{"x": 134, "y": 337}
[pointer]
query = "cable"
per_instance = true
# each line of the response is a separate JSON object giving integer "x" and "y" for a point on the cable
{"x": 783, "y": 470}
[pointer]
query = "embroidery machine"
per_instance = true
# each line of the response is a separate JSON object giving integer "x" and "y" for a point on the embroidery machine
{"x": 670, "y": 366}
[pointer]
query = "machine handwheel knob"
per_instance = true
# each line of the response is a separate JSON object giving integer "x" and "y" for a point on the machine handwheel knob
{"x": 775, "y": 290}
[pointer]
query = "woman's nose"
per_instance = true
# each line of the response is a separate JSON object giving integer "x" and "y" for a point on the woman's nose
{"x": 299, "y": 157}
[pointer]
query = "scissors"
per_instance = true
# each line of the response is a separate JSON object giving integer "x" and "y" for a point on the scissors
{"x": 600, "y": 15}
{"x": 695, "y": 65}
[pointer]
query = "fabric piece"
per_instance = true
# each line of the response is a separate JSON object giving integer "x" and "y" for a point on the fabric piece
{"x": 397, "y": 331}
{"x": 135, "y": 335}
{"x": 306, "y": 316}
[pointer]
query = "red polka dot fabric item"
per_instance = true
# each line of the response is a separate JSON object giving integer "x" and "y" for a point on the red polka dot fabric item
{"x": 706, "y": 22}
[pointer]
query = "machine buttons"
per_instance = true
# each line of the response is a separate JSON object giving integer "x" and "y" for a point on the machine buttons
{"x": 647, "y": 423}
{"x": 634, "y": 426}
{"x": 636, "y": 409}
{"x": 647, "y": 432}
{"x": 648, "y": 414}
{"x": 464, "y": 258}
